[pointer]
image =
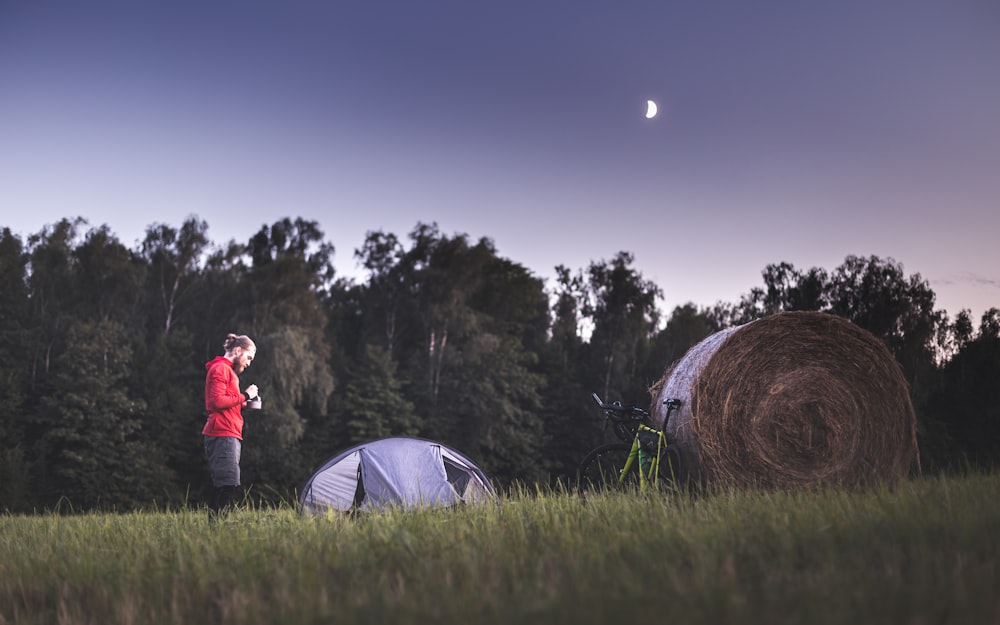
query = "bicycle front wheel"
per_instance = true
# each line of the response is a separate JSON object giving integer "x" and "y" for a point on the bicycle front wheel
{"x": 601, "y": 470}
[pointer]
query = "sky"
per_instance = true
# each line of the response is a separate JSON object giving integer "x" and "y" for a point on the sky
{"x": 788, "y": 130}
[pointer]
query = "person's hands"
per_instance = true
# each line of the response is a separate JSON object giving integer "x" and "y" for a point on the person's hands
{"x": 251, "y": 391}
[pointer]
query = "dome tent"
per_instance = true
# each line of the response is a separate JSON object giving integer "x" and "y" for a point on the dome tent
{"x": 405, "y": 472}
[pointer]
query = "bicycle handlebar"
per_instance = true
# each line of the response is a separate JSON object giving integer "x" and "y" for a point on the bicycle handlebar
{"x": 616, "y": 411}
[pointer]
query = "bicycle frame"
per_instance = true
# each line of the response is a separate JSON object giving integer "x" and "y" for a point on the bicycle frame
{"x": 647, "y": 475}
{"x": 651, "y": 474}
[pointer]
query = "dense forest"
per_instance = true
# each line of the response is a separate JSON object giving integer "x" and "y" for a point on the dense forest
{"x": 102, "y": 353}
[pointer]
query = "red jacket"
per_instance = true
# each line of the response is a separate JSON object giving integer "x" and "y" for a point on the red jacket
{"x": 223, "y": 399}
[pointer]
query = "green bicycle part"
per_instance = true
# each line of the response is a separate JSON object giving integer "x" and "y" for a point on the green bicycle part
{"x": 615, "y": 466}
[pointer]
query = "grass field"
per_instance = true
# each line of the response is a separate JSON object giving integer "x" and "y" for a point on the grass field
{"x": 925, "y": 553}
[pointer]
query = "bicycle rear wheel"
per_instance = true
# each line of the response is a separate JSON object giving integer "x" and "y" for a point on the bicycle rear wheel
{"x": 670, "y": 468}
{"x": 600, "y": 470}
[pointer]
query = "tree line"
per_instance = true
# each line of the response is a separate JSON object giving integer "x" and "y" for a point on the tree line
{"x": 102, "y": 353}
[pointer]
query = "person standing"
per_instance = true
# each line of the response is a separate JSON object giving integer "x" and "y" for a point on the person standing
{"x": 223, "y": 432}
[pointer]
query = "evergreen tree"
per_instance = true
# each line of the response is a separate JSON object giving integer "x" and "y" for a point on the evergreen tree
{"x": 967, "y": 404}
{"x": 92, "y": 449}
{"x": 14, "y": 353}
{"x": 373, "y": 404}
{"x": 489, "y": 405}
{"x": 169, "y": 380}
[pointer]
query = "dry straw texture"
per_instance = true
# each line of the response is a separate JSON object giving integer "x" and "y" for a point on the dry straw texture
{"x": 800, "y": 399}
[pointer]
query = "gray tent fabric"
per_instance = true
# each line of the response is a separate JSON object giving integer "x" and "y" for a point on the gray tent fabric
{"x": 406, "y": 472}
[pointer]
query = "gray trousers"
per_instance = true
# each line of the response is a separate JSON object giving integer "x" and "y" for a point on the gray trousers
{"x": 223, "y": 455}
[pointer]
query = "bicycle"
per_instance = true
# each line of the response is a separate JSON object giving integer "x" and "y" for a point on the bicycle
{"x": 643, "y": 459}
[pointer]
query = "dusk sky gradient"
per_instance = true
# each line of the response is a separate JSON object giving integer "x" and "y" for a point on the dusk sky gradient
{"x": 788, "y": 130}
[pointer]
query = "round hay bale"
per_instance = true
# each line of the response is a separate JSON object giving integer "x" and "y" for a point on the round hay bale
{"x": 798, "y": 399}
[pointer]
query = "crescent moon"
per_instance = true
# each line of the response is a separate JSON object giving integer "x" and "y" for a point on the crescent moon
{"x": 650, "y": 109}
